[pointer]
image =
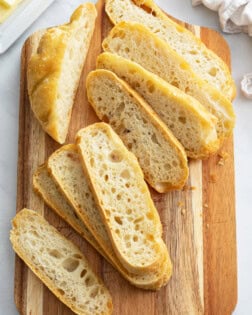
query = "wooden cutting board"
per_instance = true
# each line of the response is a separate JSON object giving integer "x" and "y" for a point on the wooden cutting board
{"x": 198, "y": 223}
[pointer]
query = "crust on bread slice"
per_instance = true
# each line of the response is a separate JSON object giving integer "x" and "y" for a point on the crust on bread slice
{"x": 190, "y": 122}
{"x": 54, "y": 70}
{"x": 204, "y": 61}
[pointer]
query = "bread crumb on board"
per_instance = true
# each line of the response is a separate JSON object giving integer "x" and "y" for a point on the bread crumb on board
{"x": 183, "y": 211}
{"x": 223, "y": 157}
{"x": 205, "y": 205}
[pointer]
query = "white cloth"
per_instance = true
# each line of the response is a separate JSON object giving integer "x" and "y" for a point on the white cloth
{"x": 235, "y": 15}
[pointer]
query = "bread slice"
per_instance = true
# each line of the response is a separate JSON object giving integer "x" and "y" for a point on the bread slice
{"x": 54, "y": 70}
{"x": 66, "y": 169}
{"x": 67, "y": 159}
{"x": 59, "y": 264}
{"x": 135, "y": 42}
{"x": 205, "y": 63}
{"x": 188, "y": 120}
{"x": 161, "y": 157}
{"x": 45, "y": 186}
{"x": 127, "y": 210}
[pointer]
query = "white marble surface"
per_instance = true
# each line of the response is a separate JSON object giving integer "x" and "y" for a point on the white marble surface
{"x": 241, "y": 49}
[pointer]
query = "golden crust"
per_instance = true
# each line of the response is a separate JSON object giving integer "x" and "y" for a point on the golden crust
{"x": 228, "y": 86}
{"x": 225, "y": 106}
{"x": 44, "y": 70}
{"x": 120, "y": 66}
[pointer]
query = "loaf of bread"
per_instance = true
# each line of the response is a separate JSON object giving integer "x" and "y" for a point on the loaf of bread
{"x": 123, "y": 198}
{"x": 188, "y": 120}
{"x": 66, "y": 164}
{"x": 55, "y": 67}
{"x": 137, "y": 43}
{"x": 161, "y": 157}
{"x": 204, "y": 62}
{"x": 59, "y": 264}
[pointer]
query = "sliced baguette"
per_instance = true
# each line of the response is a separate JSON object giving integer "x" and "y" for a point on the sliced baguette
{"x": 67, "y": 159}
{"x": 188, "y": 120}
{"x": 161, "y": 157}
{"x": 204, "y": 62}
{"x": 135, "y": 42}
{"x": 59, "y": 264}
{"x": 46, "y": 187}
{"x": 54, "y": 70}
{"x": 126, "y": 207}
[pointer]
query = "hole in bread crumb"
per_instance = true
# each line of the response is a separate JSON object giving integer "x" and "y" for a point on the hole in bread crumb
{"x": 128, "y": 211}
{"x": 128, "y": 244}
{"x": 78, "y": 256}
{"x": 127, "y": 237}
{"x": 150, "y": 215}
{"x": 150, "y": 86}
{"x": 118, "y": 197}
{"x": 182, "y": 119}
{"x": 99, "y": 99}
{"x": 150, "y": 237}
{"x": 174, "y": 163}
{"x": 94, "y": 293}
{"x": 83, "y": 272}
{"x": 55, "y": 253}
{"x": 106, "y": 178}
{"x": 125, "y": 174}
{"x": 139, "y": 219}
{"x": 115, "y": 156}
{"x": 113, "y": 190}
{"x": 193, "y": 52}
{"x": 89, "y": 281}
{"x": 118, "y": 220}
{"x": 213, "y": 72}
{"x": 154, "y": 139}
{"x": 175, "y": 83}
{"x": 61, "y": 292}
{"x": 117, "y": 232}
{"x": 70, "y": 264}
{"x": 92, "y": 162}
{"x": 107, "y": 212}
{"x": 135, "y": 238}
{"x": 167, "y": 166}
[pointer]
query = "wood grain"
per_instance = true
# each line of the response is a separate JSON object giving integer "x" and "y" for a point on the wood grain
{"x": 201, "y": 240}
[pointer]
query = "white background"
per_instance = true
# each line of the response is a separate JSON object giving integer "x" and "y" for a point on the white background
{"x": 241, "y": 50}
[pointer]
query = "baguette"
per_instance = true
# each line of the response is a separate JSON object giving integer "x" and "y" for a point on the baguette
{"x": 125, "y": 204}
{"x": 188, "y": 120}
{"x": 55, "y": 67}
{"x": 206, "y": 64}
{"x": 161, "y": 157}
{"x": 129, "y": 40}
{"x": 59, "y": 264}
{"x": 67, "y": 159}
